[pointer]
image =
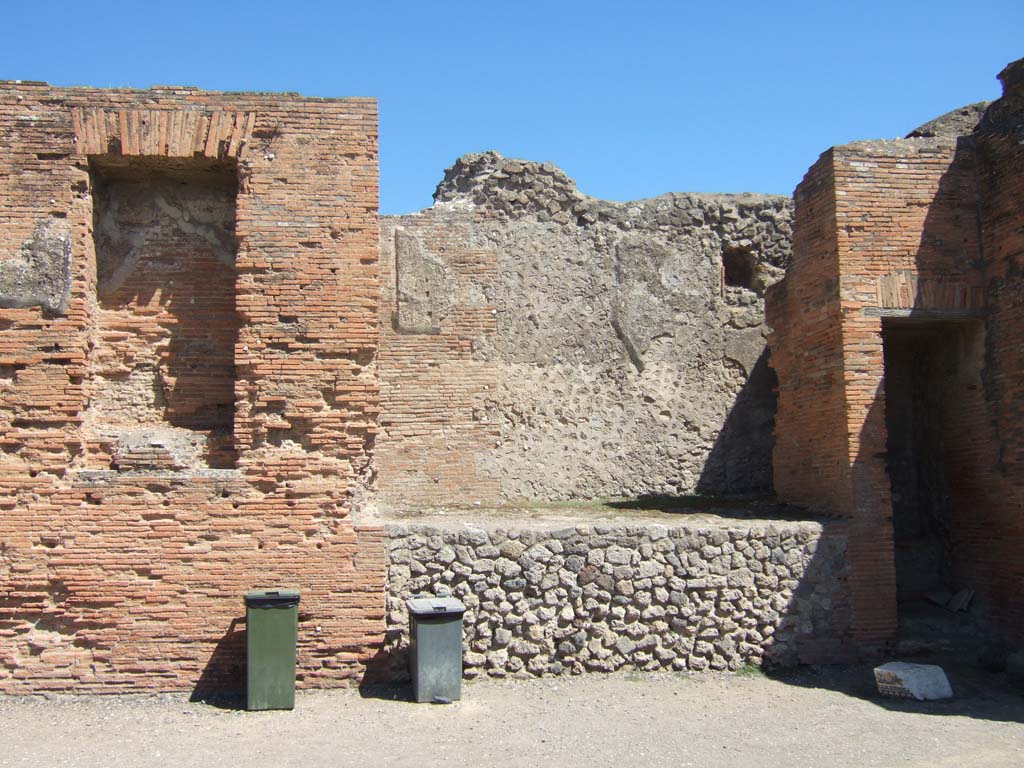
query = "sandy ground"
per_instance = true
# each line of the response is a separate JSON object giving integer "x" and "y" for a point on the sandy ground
{"x": 825, "y": 718}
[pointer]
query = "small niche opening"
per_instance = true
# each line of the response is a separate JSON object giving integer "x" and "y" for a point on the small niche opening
{"x": 740, "y": 268}
{"x": 162, "y": 374}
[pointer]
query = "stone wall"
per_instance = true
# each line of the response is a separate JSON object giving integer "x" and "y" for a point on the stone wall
{"x": 188, "y": 324}
{"x": 599, "y": 597}
{"x": 541, "y": 344}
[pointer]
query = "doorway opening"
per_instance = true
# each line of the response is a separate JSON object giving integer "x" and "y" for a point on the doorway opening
{"x": 934, "y": 416}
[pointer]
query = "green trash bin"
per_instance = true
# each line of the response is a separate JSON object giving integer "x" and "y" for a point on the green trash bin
{"x": 435, "y": 648}
{"x": 272, "y": 629}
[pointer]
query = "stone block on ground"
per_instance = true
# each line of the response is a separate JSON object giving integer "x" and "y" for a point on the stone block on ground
{"x": 901, "y": 680}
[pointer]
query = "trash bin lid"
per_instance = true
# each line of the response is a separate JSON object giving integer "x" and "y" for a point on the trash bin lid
{"x": 271, "y": 598}
{"x": 435, "y": 606}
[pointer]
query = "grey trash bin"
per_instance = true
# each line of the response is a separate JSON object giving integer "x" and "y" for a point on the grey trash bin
{"x": 435, "y": 648}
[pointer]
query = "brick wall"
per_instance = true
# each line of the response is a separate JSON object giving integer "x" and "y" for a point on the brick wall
{"x": 906, "y": 242}
{"x": 906, "y": 254}
{"x": 435, "y": 313}
{"x": 166, "y": 325}
{"x": 114, "y": 579}
{"x": 810, "y": 456}
{"x": 996, "y": 540}
{"x": 877, "y": 230}
{"x": 199, "y": 350}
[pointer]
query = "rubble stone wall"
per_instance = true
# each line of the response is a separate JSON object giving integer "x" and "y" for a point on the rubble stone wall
{"x": 603, "y": 597}
{"x": 541, "y": 344}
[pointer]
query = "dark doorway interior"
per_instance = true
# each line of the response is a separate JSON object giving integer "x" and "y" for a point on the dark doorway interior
{"x": 935, "y": 421}
{"x": 917, "y": 365}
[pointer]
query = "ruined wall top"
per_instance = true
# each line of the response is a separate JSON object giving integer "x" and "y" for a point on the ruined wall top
{"x": 173, "y": 92}
{"x": 1006, "y": 116}
{"x": 957, "y": 122}
{"x": 487, "y": 178}
{"x": 518, "y": 188}
{"x": 1012, "y": 78}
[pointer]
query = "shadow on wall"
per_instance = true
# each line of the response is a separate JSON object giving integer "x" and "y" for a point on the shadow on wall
{"x": 222, "y": 681}
{"x": 740, "y": 461}
{"x": 873, "y": 575}
{"x": 980, "y": 417}
{"x": 388, "y": 669}
{"x": 929, "y": 457}
{"x": 921, "y": 476}
{"x": 813, "y": 623}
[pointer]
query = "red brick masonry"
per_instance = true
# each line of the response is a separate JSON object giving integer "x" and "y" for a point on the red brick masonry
{"x": 911, "y": 231}
{"x": 123, "y": 565}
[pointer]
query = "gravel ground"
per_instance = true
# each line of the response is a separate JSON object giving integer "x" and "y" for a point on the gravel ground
{"x": 824, "y": 718}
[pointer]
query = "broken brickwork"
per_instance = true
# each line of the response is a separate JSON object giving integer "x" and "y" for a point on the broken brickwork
{"x": 188, "y": 399}
{"x": 906, "y": 264}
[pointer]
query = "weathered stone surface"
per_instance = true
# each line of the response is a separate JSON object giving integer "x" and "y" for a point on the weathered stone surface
{"x": 958, "y": 122}
{"x": 40, "y": 274}
{"x": 609, "y": 614}
{"x": 423, "y": 284}
{"x": 618, "y": 346}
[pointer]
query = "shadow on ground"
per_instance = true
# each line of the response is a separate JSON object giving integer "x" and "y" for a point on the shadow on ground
{"x": 386, "y": 691}
{"x": 977, "y": 693}
{"x": 746, "y": 507}
{"x": 387, "y": 673}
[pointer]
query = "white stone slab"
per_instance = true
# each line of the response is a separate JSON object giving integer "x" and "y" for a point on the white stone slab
{"x": 924, "y": 682}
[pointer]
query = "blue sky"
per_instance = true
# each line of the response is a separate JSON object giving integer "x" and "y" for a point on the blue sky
{"x": 631, "y": 99}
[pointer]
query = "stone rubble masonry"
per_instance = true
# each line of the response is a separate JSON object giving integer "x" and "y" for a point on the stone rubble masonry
{"x": 544, "y": 601}
{"x": 125, "y": 557}
{"x": 537, "y": 343}
{"x": 888, "y": 232}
